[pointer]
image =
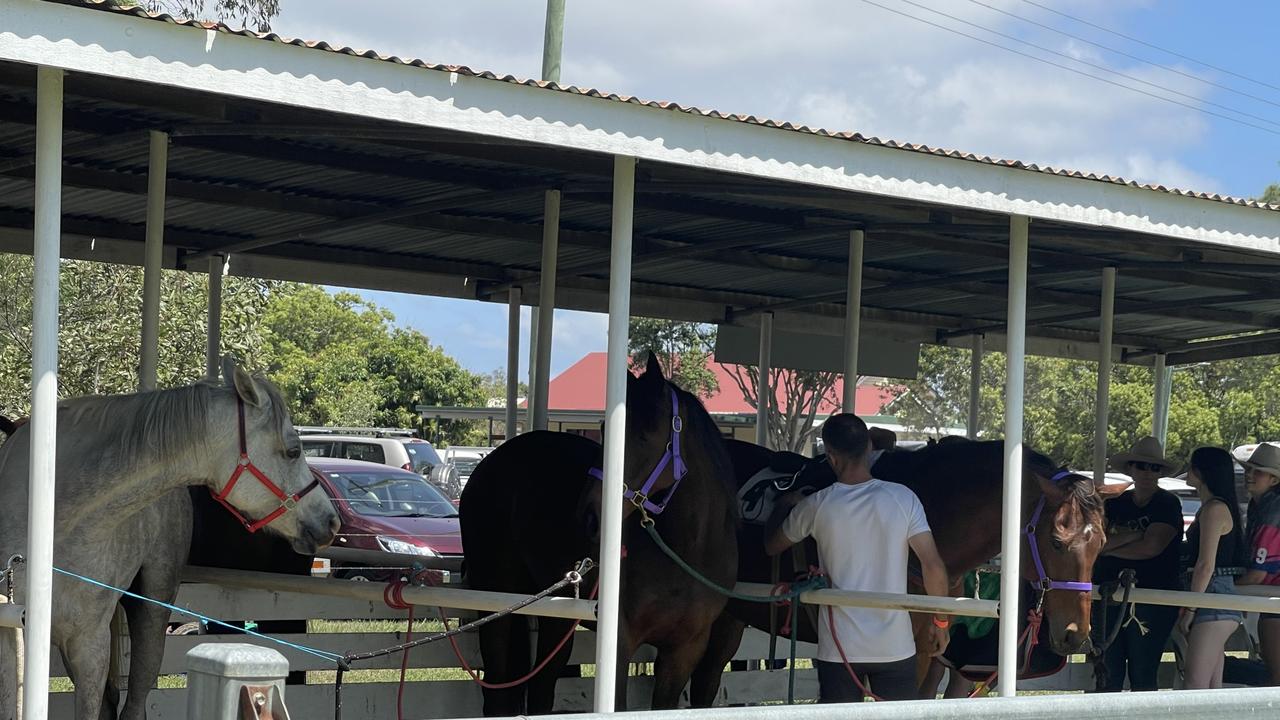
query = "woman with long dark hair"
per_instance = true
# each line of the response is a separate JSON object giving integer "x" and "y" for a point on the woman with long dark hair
{"x": 1217, "y": 552}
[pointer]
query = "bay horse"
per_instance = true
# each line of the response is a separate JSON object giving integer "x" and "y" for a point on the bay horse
{"x": 960, "y": 485}
{"x": 126, "y": 462}
{"x": 531, "y": 510}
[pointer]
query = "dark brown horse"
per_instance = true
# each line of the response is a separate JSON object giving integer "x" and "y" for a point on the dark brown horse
{"x": 530, "y": 512}
{"x": 960, "y": 485}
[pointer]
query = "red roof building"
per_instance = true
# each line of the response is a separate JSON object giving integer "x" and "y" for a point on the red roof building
{"x": 581, "y": 387}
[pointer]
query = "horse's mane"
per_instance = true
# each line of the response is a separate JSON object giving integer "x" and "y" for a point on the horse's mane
{"x": 165, "y": 424}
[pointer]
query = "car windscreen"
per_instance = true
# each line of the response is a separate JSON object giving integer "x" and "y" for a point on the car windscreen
{"x": 423, "y": 456}
{"x": 391, "y": 495}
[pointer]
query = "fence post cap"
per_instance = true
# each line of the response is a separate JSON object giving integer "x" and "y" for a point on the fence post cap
{"x": 236, "y": 660}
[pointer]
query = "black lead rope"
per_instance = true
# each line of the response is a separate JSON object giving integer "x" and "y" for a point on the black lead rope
{"x": 573, "y": 577}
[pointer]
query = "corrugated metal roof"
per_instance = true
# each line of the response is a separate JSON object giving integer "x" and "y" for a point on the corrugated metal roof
{"x": 107, "y": 5}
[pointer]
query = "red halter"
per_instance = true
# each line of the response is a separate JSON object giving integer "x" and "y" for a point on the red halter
{"x": 287, "y": 502}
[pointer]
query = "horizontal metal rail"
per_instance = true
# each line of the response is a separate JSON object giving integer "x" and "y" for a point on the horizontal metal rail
{"x": 457, "y": 598}
{"x": 1228, "y": 704}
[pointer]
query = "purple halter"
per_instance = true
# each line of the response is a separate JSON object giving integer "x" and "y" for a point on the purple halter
{"x": 672, "y": 457}
{"x": 1030, "y": 531}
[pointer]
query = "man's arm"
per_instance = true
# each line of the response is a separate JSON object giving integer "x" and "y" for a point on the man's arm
{"x": 1154, "y": 540}
{"x": 777, "y": 543}
{"x": 936, "y": 583}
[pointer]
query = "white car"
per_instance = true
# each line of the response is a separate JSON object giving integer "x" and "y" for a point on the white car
{"x": 465, "y": 460}
{"x": 396, "y": 448}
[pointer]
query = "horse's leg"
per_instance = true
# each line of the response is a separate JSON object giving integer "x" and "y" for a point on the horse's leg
{"x": 542, "y": 688}
{"x": 722, "y": 645}
{"x": 504, "y": 645}
{"x": 626, "y": 650}
{"x": 146, "y": 650}
{"x": 87, "y": 657}
{"x": 673, "y": 668}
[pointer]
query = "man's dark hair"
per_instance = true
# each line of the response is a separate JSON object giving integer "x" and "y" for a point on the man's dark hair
{"x": 845, "y": 435}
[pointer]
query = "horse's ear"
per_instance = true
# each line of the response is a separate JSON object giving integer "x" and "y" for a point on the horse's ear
{"x": 1111, "y": 490}
{"x": 235, "y": 376}
{"x": 653, "y": 368}
{"x": 1050, "y": 488}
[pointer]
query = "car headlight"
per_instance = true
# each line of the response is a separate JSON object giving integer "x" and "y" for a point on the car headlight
{"x": 400, "y": 547}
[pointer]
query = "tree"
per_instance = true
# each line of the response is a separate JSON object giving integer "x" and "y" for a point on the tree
{"x": 340, "y": 362}
{"x": 1223, "y": 404}
{"x": 683, "y": 348}
{"x": 685, "y": 351}
{"x": 100, "y": 326}
{"x": 1271, "y": 194}
{"x": 798, "y": 395}
{"x": 256, "y": 14}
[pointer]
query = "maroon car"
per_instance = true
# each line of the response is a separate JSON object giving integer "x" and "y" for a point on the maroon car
{"x": 386, "y": 509}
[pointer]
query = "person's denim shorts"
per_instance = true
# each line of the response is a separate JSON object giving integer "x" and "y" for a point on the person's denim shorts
{"x": 1221, "y": 585}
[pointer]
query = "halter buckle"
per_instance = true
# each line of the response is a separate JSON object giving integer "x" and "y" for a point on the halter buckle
{"x": 677, "y": 425}
{"x": 244, "y": 460}
{"x": 638, "y": 499}
{"x": 289, "y": 502}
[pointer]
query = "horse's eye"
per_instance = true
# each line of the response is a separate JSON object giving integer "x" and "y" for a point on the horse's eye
{"x": 1057, "y": 544}
{"x": 293, "y": 453}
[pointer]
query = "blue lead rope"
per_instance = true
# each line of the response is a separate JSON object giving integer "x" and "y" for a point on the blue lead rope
{"x": 331, "y": 657}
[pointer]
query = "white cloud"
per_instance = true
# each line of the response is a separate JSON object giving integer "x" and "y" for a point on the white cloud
{"x": 841, "y": 65}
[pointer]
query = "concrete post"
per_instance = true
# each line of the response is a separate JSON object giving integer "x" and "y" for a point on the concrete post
{"x": 224, "y": 680}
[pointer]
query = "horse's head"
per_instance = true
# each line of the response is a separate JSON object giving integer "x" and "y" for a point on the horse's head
{"x": 1069, "y": 532}
{"x": 651, "y": 428}
{"x": 272, "y": 447}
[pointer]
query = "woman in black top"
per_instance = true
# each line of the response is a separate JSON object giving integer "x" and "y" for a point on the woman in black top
{"x": 1216, "y": 544}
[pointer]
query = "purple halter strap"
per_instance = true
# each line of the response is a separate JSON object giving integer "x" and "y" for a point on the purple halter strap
{"x": 672, "y": 457}
{"x": 1030, "y": 531}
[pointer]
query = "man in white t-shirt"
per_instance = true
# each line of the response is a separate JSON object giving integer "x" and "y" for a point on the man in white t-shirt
{"x": 863, "y": 528}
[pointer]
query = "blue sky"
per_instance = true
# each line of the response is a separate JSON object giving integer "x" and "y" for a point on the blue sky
{"x": 849, "y": 65}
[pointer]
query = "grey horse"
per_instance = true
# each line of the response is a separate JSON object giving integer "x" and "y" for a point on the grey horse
{"x": 120, "y": 461}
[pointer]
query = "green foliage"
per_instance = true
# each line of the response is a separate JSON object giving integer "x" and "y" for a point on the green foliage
{"x": 683, "y": 348}
{"x": 340, "y": 362}
{"x": 338, "y": 359}
{"x": 1225, "y": 404}
{"x": 1271, "y": 194}
{"x": 101, "y": 326}
{"x": 253, "y": 14}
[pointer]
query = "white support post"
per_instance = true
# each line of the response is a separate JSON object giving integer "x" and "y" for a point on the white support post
{"x": 513, "y": 361}
{"x": 615, "y": 433}
{"x": 975, "y": 387}
{"x": 1103, "y": 405}
{"x": 153, "y": 254}
{"x": 532, "y": 380}
{"x": 540, "y": 390}
{"x": 212, "y": 359}
{"x": 764, "y": 388}
{"x": 44, "y": 393}
{"x": 1011, "y": 539}
{"x": 853, "y": 319}
{"x": 1163, "y": 387}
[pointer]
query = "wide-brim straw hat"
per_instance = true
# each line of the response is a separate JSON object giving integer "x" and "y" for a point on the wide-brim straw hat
{"x": 1265, "y": 458}
{"x": 1146, "y": 450}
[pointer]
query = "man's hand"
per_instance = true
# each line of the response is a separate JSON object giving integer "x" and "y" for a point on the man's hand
{"x": 791, "y": 499}
{"x": 936, "y": 640}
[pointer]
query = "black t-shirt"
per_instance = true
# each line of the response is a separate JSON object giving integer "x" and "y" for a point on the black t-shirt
{"x": 1160, "y": 572}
